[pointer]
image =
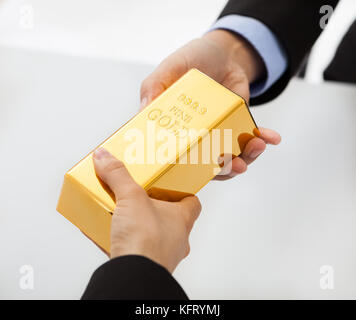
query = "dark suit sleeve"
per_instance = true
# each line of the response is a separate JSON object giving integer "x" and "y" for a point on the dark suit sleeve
{"x": 133, "y": 278}
{"x": 342, "y": 67}
{"x": 296, "y": 23}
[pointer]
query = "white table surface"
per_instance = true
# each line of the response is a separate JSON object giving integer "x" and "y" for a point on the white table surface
{"x": 263, "y": 235}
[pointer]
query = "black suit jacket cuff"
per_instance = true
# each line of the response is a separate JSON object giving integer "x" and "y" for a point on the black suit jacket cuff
{"x": 133, "y": 278}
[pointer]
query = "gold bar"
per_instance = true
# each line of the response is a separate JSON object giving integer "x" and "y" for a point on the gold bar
{"x": 170, "y": 149}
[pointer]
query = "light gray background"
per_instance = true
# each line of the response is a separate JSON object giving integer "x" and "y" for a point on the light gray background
{"x": 263, "y": 235}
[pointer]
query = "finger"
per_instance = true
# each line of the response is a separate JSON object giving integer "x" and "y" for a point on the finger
{"x": 270, "y": 136}
{"x": 231, "y": 165}
{"x": 170, "y": 70}
{"x": 191, "y": 209}
{"x": 237, "y": 166}
{"x": 253, "y": 149}
{"x": 114, "y": 173}
{"x": 151, "y": 88}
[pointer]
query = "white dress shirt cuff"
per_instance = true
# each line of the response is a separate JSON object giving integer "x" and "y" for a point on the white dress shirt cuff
{"x": 264, "y": 42}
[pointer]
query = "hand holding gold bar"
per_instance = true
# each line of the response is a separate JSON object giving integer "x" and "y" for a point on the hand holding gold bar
{"x": 171, "y": 149}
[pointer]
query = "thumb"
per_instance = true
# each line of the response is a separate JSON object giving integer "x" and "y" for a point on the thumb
{"x": 114, "y": 173}
{"x": 151, "y": 88}
{"x": 191, "y": 210}
{"x": 170, "y": 70}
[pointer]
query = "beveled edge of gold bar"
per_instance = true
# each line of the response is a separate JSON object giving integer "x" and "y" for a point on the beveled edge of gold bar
{"x": 257, "y": 133}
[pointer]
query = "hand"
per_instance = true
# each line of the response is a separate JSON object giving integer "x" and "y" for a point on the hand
{"x": 230, "y": 61}
{"x": 158, "y": 230}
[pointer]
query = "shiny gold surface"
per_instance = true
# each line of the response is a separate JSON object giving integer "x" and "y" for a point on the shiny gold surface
{"x": 161, "y": 151}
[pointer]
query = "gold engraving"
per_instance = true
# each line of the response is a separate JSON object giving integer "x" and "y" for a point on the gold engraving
{"x": 194, "y": 105}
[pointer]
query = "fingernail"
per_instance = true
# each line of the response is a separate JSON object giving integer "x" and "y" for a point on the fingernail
{"x": 101, "y": 153}
{"x": 255, "y": 154}
{"x": 143, "y": 102}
